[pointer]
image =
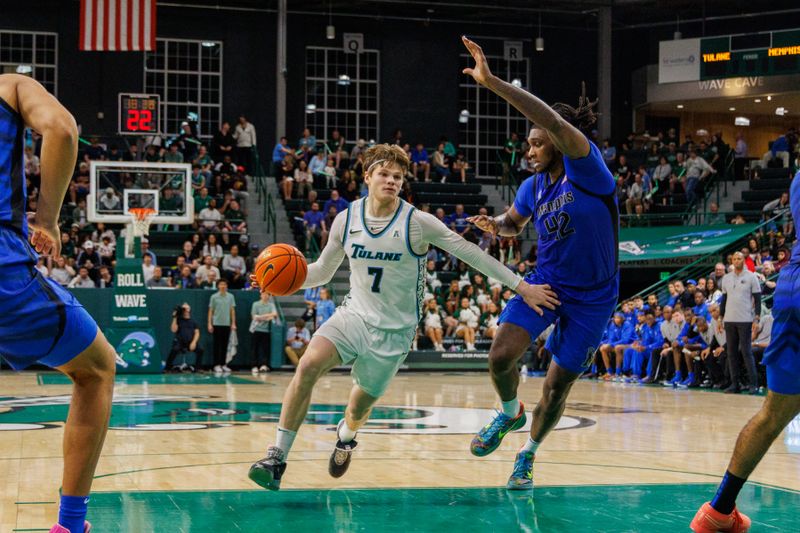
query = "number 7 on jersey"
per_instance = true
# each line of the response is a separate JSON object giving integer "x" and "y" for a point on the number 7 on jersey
{"x": 378, "y": 273}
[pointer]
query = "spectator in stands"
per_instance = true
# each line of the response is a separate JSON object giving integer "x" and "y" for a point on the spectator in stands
{"x": 148, "y": 268}
{"x": 713, "y": 357}
{"x": 623, "y": 171}
{"x": 660, "y": 360}
{"x": 457, "y": 221}
{"x": 234, "y": 219}
{"x": 510, "y": 252}
{"x": 635, "y": 194}
{"x": 762, "y": 334}
{"x": 329, "y": 174}
{"x": 223, "y": 142}
{"x": 95, "y": 150}
{"x": 307, "y": 144}
{"x": 741, "y": 309}
{"x": 245, "y": 136}
{"x": 739, "y": 157}
{"x": 701, "y": 307}
{"x": 32, "y": 165}
{"x": 145, "y": 250}
{"x": 694, "y": 345}
{"x": 187, "y": 339}
{"x": 419, "y": 160}
{"x": 467, "y": 317}
{"x": 89, "y": 258}
{"x": 157, "y": 279}
{"x": 779, "y": 153}
{"x": 59, "y": 271}
{"x": 780, "y": 208}
{"x": 189, "y": 255}
{"x": 337, "y": 147}
{"x": 212, "y": 248}
{"x": 314, "y": 221}
{"x": 646, "y": 346}
{"x": 336, "y": 201}
{"x": 262, "y": 314}
{"x": 279, "y": 153}
{"x": 714, "y": 217}
{"x": 460, "y": 167}
{"x": 210, "y": 282}
{"x": 205, "y": 268}
{"x": 325, "y": 307}
{"x": 221, "y": 322}
{"x": 104, "y": 278}
{"x": 210, "y": 218}
{"x": 226, "y": 166}
{"x": 713, "y": 292}
{"x": 234, "y": 268}
{"x": 303, "y": 179}
{"x": 201, "y": 200}
{"x": 432, "y": 321}
{"x": 358, "y": 149}
{"x": 317, "y": 168}
{"x": 440, "y": 164}
{"x": 509, "y": 157}
{"x": 185, "y": 280}
{"x": 173, "y": 155}
{"x": 697, "y": 170}
{"x": 198, "y": 179}
{"x": 609, "y": 154}
{"x": 489, "y": 320}
{"x": 82, "y": 280}
{"x": 297, "y": 339}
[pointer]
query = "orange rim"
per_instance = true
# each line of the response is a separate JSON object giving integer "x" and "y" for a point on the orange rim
{"x": 141, "y": 213}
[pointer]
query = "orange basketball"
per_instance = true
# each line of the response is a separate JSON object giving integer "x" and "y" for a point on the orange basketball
{"x": 280, "y": 269}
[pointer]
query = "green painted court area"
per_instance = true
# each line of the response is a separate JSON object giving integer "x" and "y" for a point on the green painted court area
{"x": 56, "y": 378}
{"x": 615, "y": 508}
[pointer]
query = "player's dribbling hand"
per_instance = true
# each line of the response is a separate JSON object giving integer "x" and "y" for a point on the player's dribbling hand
{"x": 538, "y": 296}
{"x": 480, "y": 72}
{"x": 45, "y": 238}
{"x": 484, "y": 223}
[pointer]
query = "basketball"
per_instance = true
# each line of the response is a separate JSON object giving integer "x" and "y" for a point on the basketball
{"x": 280, "y": 269}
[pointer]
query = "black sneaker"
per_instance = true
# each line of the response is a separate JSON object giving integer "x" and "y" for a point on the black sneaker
{"x": 340, "y": 458}
{"x": 268, "y": 471}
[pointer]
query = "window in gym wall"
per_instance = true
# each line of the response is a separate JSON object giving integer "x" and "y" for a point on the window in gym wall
{"x": 31, "y": 53}
{"x": 187, "y": 74}
{"x": 342, "y": 91}
{"x": 491, "y": 119}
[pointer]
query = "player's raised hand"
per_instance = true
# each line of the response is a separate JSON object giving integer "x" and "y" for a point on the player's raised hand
{"x": 538, "y": 296}
{"x": 484, "y": 223}
{"x": 480, "y": 72}
{"x": 45, "y": 238}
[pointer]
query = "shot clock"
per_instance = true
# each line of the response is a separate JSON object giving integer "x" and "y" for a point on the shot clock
{"x": 139, "y": 114}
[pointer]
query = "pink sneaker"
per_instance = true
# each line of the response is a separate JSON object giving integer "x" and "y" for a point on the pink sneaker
{"x": 58, "y": 528}
{"x": 709, "y": 520}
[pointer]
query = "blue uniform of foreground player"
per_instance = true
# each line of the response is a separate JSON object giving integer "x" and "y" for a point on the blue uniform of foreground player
{"x": 571, "y": 201}
{"x": 782, "y": 405}
{"x": 41, "y": 322}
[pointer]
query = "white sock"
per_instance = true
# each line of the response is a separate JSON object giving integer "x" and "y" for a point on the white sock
{"x": 511, "y": 408}
{"x": 285, "y": 440}
{"x": 530, "y": 446}
{"x": 344, "y": 433}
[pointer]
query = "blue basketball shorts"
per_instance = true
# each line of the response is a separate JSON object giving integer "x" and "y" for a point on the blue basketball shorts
{"x": 580, "y": 322}
{"x": 782, "y": 356}
{"x": 40, "y": 321}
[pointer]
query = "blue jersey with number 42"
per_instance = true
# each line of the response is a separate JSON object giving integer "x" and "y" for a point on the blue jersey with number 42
{"x": 577, "y": 219}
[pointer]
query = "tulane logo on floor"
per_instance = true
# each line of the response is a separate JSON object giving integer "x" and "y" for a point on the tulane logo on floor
{"x": 173, "y": 412}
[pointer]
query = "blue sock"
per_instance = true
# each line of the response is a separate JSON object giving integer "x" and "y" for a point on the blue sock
{"x": 725, "y": 499}
{"x": 72, "y": 512}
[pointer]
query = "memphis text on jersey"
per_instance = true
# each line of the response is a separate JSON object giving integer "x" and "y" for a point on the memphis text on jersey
{"x": 555, "y": 205}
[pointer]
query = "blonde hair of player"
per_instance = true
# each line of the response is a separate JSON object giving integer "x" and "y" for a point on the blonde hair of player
{"x": 385, "y": 165}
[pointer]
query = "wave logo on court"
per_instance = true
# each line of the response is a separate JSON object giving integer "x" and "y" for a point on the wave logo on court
{"x": 134, "y": 349}
{"x": 181, "y": 413}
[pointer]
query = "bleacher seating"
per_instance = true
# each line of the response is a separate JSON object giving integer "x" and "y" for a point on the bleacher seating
{"x": 769, "y": 185}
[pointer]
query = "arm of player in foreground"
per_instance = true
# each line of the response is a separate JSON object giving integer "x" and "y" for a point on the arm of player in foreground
{"x": 42, "y": 112}
{"x": 322, "y": 270}
{"x": 433, "y": 231}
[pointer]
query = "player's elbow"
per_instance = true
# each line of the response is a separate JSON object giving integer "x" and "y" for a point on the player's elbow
{"x": 63, "y": 128}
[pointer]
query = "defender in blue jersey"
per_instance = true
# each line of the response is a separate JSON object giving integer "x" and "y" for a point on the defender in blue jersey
{"x": 571, "y": 201}
{"x": 41, "y": 322}
{"x": 782, "y": 404}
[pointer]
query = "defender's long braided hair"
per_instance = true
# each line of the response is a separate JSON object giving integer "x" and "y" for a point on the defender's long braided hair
{"x": 583, "y": 116}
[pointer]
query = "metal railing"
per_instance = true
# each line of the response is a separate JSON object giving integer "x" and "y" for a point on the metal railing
{"x": 265, "y": 198}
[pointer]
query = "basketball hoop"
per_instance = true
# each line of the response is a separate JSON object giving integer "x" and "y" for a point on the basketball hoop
{"x": 141, "y": 217}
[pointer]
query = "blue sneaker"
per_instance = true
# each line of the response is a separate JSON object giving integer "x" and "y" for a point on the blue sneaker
{"x": 686, "y": 383}
{"x": 522, "y": 476}
{"x": 492, "y": 434}
{"x": 675, "y": 380}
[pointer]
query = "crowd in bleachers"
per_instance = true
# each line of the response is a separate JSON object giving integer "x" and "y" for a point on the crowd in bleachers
{"x": 214, "y": 247}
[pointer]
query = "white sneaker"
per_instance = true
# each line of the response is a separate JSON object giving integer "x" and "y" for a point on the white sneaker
{"x": 218, "y": 369}
{"x": 470, "y": 347}
{"x": 254, "y": 370}
{"x": 264, "y": 368}
{"x": 524, "y": 370}
{"x": 226, "y": 369}
{"x": 440, "y": 347}
{"x": 414, "y": 346}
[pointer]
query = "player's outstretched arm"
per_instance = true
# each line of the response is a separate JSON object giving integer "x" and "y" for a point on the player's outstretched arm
{"x": 567, "y": 138}
{"x": 42, "y": 112}
{"x": 321, "y": 271}
{"x": 509, "y": 224}
{"x": 432, "y": 230}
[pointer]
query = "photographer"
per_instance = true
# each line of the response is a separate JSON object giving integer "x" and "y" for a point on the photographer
{"x": 187, "y": 336}
{"x": 297, "y": 339}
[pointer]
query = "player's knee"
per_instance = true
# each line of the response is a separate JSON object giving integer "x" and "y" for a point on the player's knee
{"x": 97, "y": 368}
{"x": 501, "y": 359}
{"x": 308, "y": 372}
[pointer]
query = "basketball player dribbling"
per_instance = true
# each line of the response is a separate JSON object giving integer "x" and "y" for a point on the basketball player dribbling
{"x": 386, "y": 241}
{"x": 571, "y": 200}
{"x": 41, "y": 322}
{"x": 781, "y": 406}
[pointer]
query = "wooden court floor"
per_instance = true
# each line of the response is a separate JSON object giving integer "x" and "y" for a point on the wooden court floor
{"x": 625, "y": 458}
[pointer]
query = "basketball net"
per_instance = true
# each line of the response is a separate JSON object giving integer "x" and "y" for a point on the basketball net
{"x": 139, "y": 226}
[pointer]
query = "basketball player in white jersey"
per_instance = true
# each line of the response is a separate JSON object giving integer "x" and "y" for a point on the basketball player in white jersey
{"x": 386, "y": 241}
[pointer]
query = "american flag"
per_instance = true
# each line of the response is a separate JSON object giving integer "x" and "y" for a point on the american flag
{"x": 118, "y": 25}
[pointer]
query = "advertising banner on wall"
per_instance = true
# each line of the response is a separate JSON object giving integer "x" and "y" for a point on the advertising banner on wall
{"x": 679, "y": 60}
